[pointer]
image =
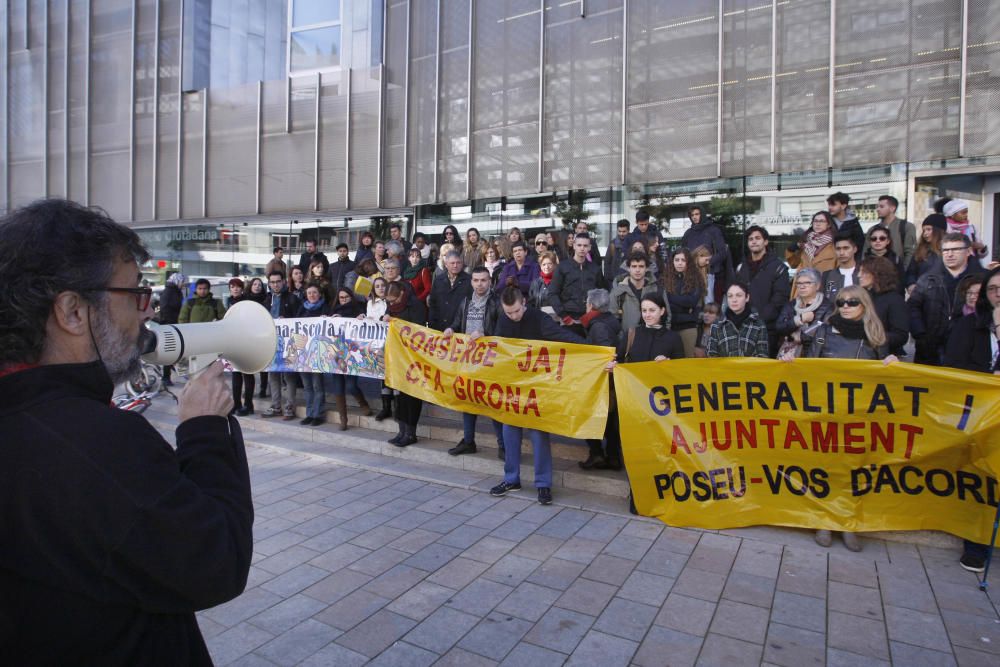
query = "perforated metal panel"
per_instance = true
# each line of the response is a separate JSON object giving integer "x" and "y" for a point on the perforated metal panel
{"x": 57, "y": 98}
{"x": 982, "y": 92}
{"x": 505, "y": 107}
{"x": 232, "y": 146}
{"x": 454, "y": 99}
{"x": 672, "y": 109}
{"x": 333, "y": 143}
{"x": 746, "y": 97}
{"x": 144, "y": 106}
{"x": 395, "y": 102}
{"x": 286, "y": 160}
{"x": 423, "y": 73}
{"x": 364, "y": 138}
{"x": 803, "y": 69}
{"x": 581, "y": 141}
{"x": 191, "y": 173}
{"x": 168, "y": 104}
{"x": 897, "y": 80}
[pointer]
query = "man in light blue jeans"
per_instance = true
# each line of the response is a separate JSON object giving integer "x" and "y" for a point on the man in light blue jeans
{"x": 281, "y": 303}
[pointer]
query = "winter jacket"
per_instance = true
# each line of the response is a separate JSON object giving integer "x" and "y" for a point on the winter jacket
{"x": 626, "y": 305}
{"x": 707, "y": 233}
{"x": 684, "y": 307}
{"x": 538, "y": 293}
{"x": 445, "y": 296}
{"x": 306, "y": 259}
{"x": 326, "y": 310}
{"x": 523, "y": 277}
{"x": 171, "y": 301}
{"x": 493, "y": 310}
{"x": 895, "y": 317}
{"x": 472, "y": 255}
{"x": 648, "y": 344}
{"x": 535, "y": 325}
{"x": 276, "y": 264}
{"x": 570, "y": 284}
{"x": 111, "y": 538}
{"x": 931, "y": 306}
{"x": 969, "y": 347}
{"x": 833, "y": 282}
{"x": 750, "y": 340}
{"x": 604, "y": 330}
{"x": 828, "y": 343}
{"x": 289, "y": 306}
{"x": 900, "y": 271}
{"x": 201, "y": 309}
{"x": 338, "y": 271}
{"x": 916, "y": 269}
{"x": 788, "y": 322}
{"x": 770, "y": 287}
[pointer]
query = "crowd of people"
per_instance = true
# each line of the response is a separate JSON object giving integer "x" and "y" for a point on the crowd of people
{"x": 838, "y": 292}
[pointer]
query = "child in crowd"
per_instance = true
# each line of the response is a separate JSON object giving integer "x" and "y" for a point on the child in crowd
{"x": 709, "y": 314}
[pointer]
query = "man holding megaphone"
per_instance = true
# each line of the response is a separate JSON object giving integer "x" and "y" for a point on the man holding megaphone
{"x": 111, "y": 538}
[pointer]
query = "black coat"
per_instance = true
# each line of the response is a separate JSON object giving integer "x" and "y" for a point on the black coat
{"x": 707, "y": 233}
{"x": 290, "y": 303}
{"x": 770, "y": 288}
{"x": 969, "y": 347}
{"x": 570, "y": 284}
{"x": 932, "y": 302}
{"x": 684, "y": 307}
{"x": 535, "y": 325}
{"x": 604, "y": 330}
{"x": 649, "y": 344}
{"x": 493, "y": 310}
{"x": 307, "y": 258}
{"x": 833, "y": 282}
{"x": 112, "y": 539}
{"x": 338, "y": 272}
{"x": 171, "y": 300}
{"x": 445, "y": 298}
{"x": 895, "y": 316}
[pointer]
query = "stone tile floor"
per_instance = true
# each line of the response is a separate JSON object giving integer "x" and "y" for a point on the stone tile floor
{"x": 353, "y": 567}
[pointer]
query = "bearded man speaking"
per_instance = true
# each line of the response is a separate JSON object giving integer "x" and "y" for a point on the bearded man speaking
{"x": 111, "y": 538}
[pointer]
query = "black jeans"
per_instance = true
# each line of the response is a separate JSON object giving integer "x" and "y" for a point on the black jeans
{"x": 243, "y": 383}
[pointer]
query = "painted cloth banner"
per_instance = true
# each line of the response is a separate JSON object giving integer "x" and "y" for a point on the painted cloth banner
{"x": 814, "y": 443}
{"x": 556, "y": 387}
{"x": 330, "y": 345}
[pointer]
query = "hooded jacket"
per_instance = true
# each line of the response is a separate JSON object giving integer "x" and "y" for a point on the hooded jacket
{"x": 708, "y": 234}
{"x": 202, "y": 309}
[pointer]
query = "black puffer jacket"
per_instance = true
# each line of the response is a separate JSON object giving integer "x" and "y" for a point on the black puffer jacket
{"x": 648, "y": 344}
{"x": 604, "y": 330}
{"x": 930, "y": 304}
{"x": 570, "y": 284}
{"x": 770, "y": 287}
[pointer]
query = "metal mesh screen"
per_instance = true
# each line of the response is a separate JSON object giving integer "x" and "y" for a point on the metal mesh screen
{"x": 505, "y": 107}
{"x": 27, "y": 117}
{"x": 191, "y": 171}
{"x": 56, "y": 113}
{"x": 581, "y": 141}
{"x": 110, "y": 54}
{"x": 286, "y": 160}
{"x": 897, "y": 80}
{"x": 672, "y": 110}
{"x": 423, "y": 73}
{"x": 982, "y": 93}
{"x": 453, "y": 147}
{"x": 232, "y": 142}
{"x": 395, "y": 102}
{"x": 364, "y": 138}
{"x": 168, "y": 104}
{"x": 333, "y": 143}
{"x": 803, "y": 96}
{"x": 144, "y": 105}
{"x": 746, "y": 102}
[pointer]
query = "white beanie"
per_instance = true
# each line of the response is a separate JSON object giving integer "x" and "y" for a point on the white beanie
{"x": 954, "y": 206}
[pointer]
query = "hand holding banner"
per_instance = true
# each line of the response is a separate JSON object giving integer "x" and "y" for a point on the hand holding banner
{"x": 815, "y": 443}
{"x": 555, "y": 387}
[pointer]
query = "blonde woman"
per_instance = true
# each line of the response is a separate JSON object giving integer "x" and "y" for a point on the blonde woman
{"x": 702, "y": 256}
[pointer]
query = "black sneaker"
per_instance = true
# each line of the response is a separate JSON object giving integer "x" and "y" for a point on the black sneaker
{"x": 502, "y": 488}
{"x": 972, "y": 562}
{"x": 545, "y": 495}
{"x": 307, "y": 421}
{"x": 463, "y": 447}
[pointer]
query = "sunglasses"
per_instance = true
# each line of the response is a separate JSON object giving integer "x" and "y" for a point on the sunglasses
{"x": 851, "y": 303}
{"x": 143, "y": 295}
{"x": 878, "y": 238}
{"x": 540, "y": 243}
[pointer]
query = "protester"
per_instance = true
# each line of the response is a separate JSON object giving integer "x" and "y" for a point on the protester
{"x": 473, "y": 250}
{"x": 450, "y": 236}
{"x": 418, "y": 274}
{"x": 366, "y": 250}
{"x": 902, "y": 233}
{"x": 236, "y": 287}
{"x": 375, "y": 310}
{"x": 313, "y": 385}
{"x": 704, "y": 232}
{"x": 603, "y": 329}
{"x": 312, "y": 255}
{"x": 420, "y": 243}
{"x": 928, "y": 252}
{"x": 838, "y": 204}
{"x": 171, "y": 300}
{"x": 476, "y": 316}
{"x": 447, "y": 293}
{"x": 968, "y": 294}
{"x": 802, "y": 316}
{"x": 440, "y": 268}
{"x": 581, "y": 227}
{"x": 297, "y": 283}
{"x": 317, "y": 276}
{"x": 767, "y": 277}
{"x": 257, "y": 293}
{"x": 540, "y": 246}
{"x": 277, "y": 262}
{"x": 617, "y": 251}
{"x": 846, "y": 273}
{"x": 880, "y": 278}
{"x": 972, "y": 346}
{"x": 402, "y": 305}
{"x": 817, "y": 244}
{"x": 379, "y": 255}
{"x": 341, "y": 268}
{"x": 341, "y": 384}
{"x": 643, "y": 231}
{"x": 396, "y": 235}
{"x": 879, "y": 244}
{"x": 112, "y": 537}
{"x": 957, "y": 212}
{"x": 394, "y": 250}
{"x": 571, "y": 282}
{"x": 520, "y": 272}
{"x": 203, "y": 307}
{"x": 538, "y": 292}
{"x": 281, "y": 303}
{"x": 702, "y": 257}
{"x": 932, "y": 302}
{"x": 626, "y": 295}
{"x": 522, "y": 321}
{"x": 494, "y": 263}
{"x": 740, "y": 332}
{"x": 685, "y": 292}
{"x": 709, "y": 316}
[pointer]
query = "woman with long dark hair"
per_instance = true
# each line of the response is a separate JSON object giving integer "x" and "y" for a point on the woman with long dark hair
{"x": 685, "y": 290}
{"x": 408, "y": 407}
{"x": 881, "y": 279}
{"x": 880, "y": 242}
{"x": 928, "y": 252}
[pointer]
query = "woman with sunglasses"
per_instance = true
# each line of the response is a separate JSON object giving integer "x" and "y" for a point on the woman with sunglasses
{"x": 340, "y": 384}
{"x": 880, "y": 278}
{"x": 803, "y": 315}
{"x": 853, "y": 332}
{"x": 880, "y": 245}
{"x": 450, "y": 235}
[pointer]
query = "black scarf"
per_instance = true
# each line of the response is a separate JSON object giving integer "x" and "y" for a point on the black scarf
{"x": 853, "y": 329}
{"x": 738, "y": 318}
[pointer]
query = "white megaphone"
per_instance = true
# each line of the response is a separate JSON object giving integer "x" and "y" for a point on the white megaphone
{"x": 245, "y": 337}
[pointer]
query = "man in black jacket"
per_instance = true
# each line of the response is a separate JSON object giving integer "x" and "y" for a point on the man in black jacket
{"x": 111, "y": 539}
{"x": 770, "y": 288}
{"x": 340, "y": 268}
{"x": 309, "y": 256}
{"x": 573, "y": 278}
{"x": 282, "y": 304}
{"x": 522, "y": 321}
{"x": 603, "y": 329}
{"x": 838, "y": 205}
{"x": 845, "y": 273}
{"x": 447, "y": 292}
{"x": 477, "y": 315}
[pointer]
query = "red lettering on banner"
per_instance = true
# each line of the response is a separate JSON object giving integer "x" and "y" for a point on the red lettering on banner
{"x": 679, "y": 441}
{"x": 793, "y": 434}
{"x": 850, "y": 438}
{"x": 910, "y": 432}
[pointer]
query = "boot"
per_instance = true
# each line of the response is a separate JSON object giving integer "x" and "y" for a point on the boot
{"x": 366, "y": 410}
{"x": 341, "y": 402}
{"x": 399, "y": 436}
{"x": 409, "y": 436}
{"x": 595, "y": 458}
{"x": 386, "y": 410}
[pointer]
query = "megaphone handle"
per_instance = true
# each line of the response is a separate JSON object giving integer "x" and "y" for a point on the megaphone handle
{"x": 198, "y": 363}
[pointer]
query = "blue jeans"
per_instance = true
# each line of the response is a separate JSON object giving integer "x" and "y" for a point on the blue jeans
{"x": 469, "y": 428}
{"x": 312, "y": 386}
{"x": 512, "y": 455}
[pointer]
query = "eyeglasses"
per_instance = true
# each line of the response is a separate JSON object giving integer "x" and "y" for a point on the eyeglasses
{"x": 143, "y": 295}
{"x": 878, "y": 238}
{"x": 958, "y": 249}
{"x": 275, "y": 282}
{"x": 804, "y": 283}
{"x": 850, "y": 303}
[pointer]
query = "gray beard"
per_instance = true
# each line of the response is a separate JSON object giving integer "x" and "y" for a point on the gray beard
{"x": 120, "y": 357}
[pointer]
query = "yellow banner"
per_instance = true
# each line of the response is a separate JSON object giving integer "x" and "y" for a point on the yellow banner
{"x": 815, "y": 443}
{"x": 556, "y": 387}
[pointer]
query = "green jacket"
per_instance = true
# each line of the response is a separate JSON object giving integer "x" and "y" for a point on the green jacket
{"x": 201, "y": 309}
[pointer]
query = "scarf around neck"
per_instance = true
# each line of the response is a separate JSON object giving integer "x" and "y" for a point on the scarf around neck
{"x": 816, "y": 241}
{"x": 314, "y": 306}
{"x": 853, "y": 329}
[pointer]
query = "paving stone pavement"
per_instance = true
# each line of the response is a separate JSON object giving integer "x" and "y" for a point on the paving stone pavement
{"x": 356, "y": 567}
